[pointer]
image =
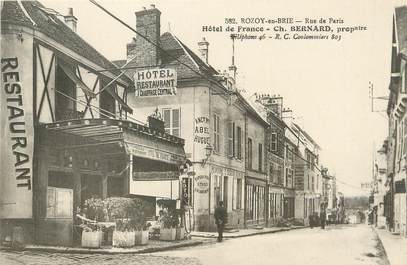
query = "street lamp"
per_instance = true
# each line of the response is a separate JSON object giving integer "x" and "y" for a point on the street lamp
{"x": 208, "y": 153}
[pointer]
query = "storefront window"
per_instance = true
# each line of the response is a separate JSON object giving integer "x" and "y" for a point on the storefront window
{"x": 239, "y": 194}
{"x": 260, "y": 157}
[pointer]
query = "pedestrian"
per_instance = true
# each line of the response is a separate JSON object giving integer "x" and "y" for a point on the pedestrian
{"x": 220, "y": 219}
{"x": 311, "y": 221}
{"x": 322, "y": 219}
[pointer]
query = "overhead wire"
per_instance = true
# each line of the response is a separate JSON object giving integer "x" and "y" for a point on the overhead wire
{"x": 98, "y": 109}
{"x": 154, "y": 44}
{"x": 174, "y": 58}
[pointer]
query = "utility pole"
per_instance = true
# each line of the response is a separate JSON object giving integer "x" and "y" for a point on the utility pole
{"x": 233, "y": 67}
{"x": 374, "y": 99}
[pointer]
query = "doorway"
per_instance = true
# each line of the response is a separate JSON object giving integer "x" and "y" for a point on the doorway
{"x": 91, "y": 187}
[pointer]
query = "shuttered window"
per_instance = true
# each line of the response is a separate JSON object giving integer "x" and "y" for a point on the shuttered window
{"x": 216, "y": 133}
{"x": 239, "y": 142}
{"x": 172, "y": 121}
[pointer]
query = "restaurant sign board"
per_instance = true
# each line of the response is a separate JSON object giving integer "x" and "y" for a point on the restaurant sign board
{"x": 155, "y": 82}
{"x": 17, "y": 128}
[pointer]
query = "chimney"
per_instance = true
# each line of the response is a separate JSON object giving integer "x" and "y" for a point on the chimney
{"x": 147, "y": 24}
{"x": 203, "y": 49}
{"x": 71, "y": 20}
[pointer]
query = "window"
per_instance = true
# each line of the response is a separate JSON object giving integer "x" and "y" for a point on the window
{"x": 405, "y": 136}
{"x": 313, "y": 183}
{"x": 249, "y": 153}
{"x": 239, "y": 196}
{"x": 308, "y": 161}
{"x": 216, "y": 133}
{"x": 274, "y": 142}
{"x": 260, "y": 157}
{"x": 230, "y": 139}
{"x": 172, "y": 121}
{"x": 239, "y": 142}
{"x": 59, "y": 202}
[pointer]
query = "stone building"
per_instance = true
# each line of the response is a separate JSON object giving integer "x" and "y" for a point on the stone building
{"x": 395, "y": 199}
{"x": 204, "y": 107}
{"x": 275, "y": 157}
{"x": 307, "y": 177}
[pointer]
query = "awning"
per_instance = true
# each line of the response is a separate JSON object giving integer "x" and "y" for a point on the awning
{"x": 71, "y": 74}
{"x": 168, "y": 189}
{"x": 136, "y": 139}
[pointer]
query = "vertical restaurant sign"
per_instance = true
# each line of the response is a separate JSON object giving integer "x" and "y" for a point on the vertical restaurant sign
{"x": 155, "y": 82}
{"x": 17, "y": 127}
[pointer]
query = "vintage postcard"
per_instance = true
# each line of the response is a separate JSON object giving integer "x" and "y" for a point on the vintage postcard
{"x": 203, "y": 132}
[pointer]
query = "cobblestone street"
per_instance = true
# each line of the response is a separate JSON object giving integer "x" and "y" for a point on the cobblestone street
{"x": 38, "y": 258}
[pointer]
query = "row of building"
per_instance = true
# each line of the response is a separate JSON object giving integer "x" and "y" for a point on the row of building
{"x": 388, "y": 197}
{"x": 73, "y": 128}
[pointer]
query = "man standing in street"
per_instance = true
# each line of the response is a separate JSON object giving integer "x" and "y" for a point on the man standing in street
{"x": 322, "y": 218}
{"x": 220, "y": 219}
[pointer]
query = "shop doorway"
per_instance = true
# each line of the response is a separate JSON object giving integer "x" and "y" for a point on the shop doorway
{"x": 91, "y": 187}
{"x": 115, "y": 186}
{"x": 225, "y": 191}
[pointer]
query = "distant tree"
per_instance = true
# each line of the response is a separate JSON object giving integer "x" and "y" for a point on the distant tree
{"x": 357, "y": 202}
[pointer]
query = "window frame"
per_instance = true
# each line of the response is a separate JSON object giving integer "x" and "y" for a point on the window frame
{"x": 239, "y": 142}
{"x": 170, "y": 129}
{"x": 273, "y": 142}
{"x": 216, "y": 133}
{"x": 249, "y": 153}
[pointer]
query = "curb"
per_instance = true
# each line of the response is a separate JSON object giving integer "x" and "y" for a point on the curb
{"x": 104, "y": 251}
{"x": 253, "y": 234}
{"x": 381, "y": 247}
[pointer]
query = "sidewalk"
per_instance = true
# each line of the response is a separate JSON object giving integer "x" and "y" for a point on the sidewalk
{"x": 198, "y": 238}
{"x": 394, "y": 245}
{"x": 153, "y": 246}
{"x": 244, "y": 232}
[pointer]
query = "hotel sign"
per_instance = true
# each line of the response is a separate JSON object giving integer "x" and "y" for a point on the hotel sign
{"x": 155, "y": 82}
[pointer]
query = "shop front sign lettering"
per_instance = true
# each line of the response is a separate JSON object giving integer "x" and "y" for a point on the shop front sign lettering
{"x": 16, "y": 122}
{"x": 143, "y": 151}
{"x": 201, "y": 130}
{"x": 202, "y": 184}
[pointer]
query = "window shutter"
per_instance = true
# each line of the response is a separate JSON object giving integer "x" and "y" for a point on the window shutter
{"x": 176, "y": 122}
{"x": 230, "y": 139}
{"x": 167, "y": 120}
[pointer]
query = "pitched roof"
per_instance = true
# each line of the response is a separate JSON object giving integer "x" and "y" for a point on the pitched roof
{"x": 50, "y": 25}
{"x": 177, "y": 55}
{"x": 306, "y": 135}
{"x": 400, "y": 14}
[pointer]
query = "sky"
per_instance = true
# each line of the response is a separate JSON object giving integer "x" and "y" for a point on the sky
{"x": 325, "y": 83}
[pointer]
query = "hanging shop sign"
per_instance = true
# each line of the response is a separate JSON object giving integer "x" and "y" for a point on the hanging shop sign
{"x": 155, "y": 82}
{"x": 201, "y": 184}
{"x": 17, "y": 133}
